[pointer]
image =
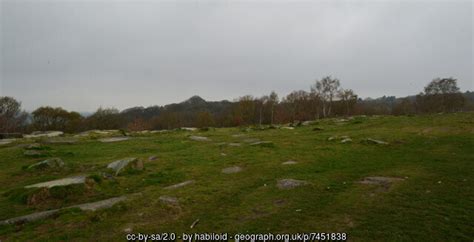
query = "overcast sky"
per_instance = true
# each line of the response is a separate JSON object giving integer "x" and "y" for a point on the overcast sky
{"x": 84, "y": 54}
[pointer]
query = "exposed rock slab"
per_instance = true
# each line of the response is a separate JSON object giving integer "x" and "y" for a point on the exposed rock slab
{"x": 230, "y": 170}
{"x": 286, "y": 184}
{"x": 182, "y": 184}
{"x": 48, "y": 164}
{"x": 120, "y": 165}
{"x": 60, "y": 182}
{"x": 374, "y": 141}
{"x": 189, "y": 128}
{"x": 61, "y": 140}
{"x": 39, "y": 134}
{"x": 100, "y": 204}
{"x": 46, "y": 214}
{"x": 113, "y": 139}
{"x": 6, "y": 141}
{"x": 287, "y": 127}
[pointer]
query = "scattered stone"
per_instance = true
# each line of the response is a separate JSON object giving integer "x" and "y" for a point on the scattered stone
{"x": 230, "y": 170}
{"x": 309, "y": 122}
{"x": 32, "y": 153}
{"x": 113, "y": 139}
{"x": 61, "y": 140}
{"x": 39, "y": 134}
{"x": 223, "y": 154}
{"x": 100, "y": 204}
{"x": 168, "y": 199}
{"x": 332, "y": 138}
{"x": 199, "y": 138}
{"x": 182, "y": 184}
{"x": 374, "y": 141}
{"x": 152, "y": 158}
{"x": 287, "y": 127}
{"x": 194, "y": 223}
{"x": 238, "y": 135}
{"x": 263, "y": 144}
{"x": 127, "y": 230}
{"x": 346, "y": 140}
{"x": 290, "y": 162}
{"x": 286, "y": 184}
{"x": 46, "y": 214}
{"x": 251, "y": 140}
{"x": 48, "y": 164}
{"x": 59, "y": 182}
{"x": 128, "y": 163}
{"x": 189, "y": 128}
{"x": 235, "y": 144}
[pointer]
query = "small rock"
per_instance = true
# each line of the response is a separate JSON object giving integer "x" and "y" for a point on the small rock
{"x": 113, "y": 139}
{"x": 120, "y": 165}
{"x": 47, "y": 164}
{"x": 234, "y": 144}
{"x": 223, "y": 154}
{"x": 374, "y": 141}
{"x": 152, "y": 158}
{"x": 290, "y": 162}
{"x": 199, "y": 138}
{"x": 346, "y": 140}
{"x": 263, "y": 144}
{"x": 230, "y": 170}
{"x": 182, "y": 184}
{"x": 127, "y": 230}
{"x": 290, "y": 183}
{"x": 168, "y": 199}
{"x": 189, "y": 128}
{"x": 439, "y": 182}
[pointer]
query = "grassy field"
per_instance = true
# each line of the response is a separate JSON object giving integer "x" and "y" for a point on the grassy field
{"x": 434, "y": 155}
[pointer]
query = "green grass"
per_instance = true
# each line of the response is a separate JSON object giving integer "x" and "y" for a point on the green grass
{"x": 434, "y": 203}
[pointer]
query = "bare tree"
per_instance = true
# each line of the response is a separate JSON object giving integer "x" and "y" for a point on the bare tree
{"x": 326, "y": 89}
{"x": 441, "y": 95}
{"x": 348, "y": 97}
{"x": 272, "y": 100}
{"x": 12, "y": 118}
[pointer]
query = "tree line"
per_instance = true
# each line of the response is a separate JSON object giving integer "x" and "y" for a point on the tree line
{"x": 325, "y": 98}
